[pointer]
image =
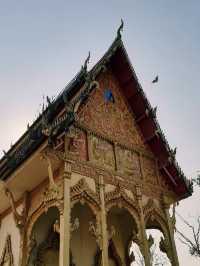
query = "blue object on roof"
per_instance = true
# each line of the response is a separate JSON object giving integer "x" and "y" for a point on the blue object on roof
{"x": 108, "y": 96}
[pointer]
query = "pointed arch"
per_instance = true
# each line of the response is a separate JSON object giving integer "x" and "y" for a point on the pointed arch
{"x": 32, "y": 220}
{"x": 38, "y": 212}
{"x": 155, "y": 216}
{"x": 81, "y": 192}
{"x": 119, "y": 197}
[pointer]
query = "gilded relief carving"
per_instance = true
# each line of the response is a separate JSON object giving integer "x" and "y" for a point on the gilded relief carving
{"x": 7, "y": 256}
{"x": 52, "y": 195}
{"x": 77, "y": 145}
{"x": 112, "y": 177}
{"x": 101, "y": 152}
{"x": 128, "y": 162}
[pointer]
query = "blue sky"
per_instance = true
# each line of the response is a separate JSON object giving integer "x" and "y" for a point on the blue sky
{"x": 44, "y": 43}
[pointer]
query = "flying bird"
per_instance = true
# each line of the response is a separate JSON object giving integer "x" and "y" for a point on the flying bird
{"x": 155, "y": 80}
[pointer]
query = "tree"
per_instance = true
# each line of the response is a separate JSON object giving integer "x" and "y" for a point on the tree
{"x": 192, "y": 241}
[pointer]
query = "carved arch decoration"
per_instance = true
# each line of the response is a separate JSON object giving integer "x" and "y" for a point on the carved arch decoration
{"x": 119, "y": 198}
{"x": 33, "y": 219}
{"x": 7, "y": 255}
{"x": 81, "y": 192}
{"x": 156, "y": 216}
{"x": 153, "y": 213}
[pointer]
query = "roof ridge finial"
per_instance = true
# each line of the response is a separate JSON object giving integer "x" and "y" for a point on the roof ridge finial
{"x": 120, "y": 29}
{"x": 86, "y": 62}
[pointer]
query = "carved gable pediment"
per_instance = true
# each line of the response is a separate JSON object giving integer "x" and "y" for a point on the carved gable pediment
{"x": 110, "y": 118}
{"x": 115, "y": 142}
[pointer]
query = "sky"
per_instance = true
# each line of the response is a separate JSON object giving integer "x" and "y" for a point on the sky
{"x": 44, "y": 43}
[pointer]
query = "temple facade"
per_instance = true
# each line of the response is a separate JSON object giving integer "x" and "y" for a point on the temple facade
{"x": 91, "y": 175}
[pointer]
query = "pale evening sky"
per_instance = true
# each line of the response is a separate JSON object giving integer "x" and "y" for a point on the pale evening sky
{"x": 44, "y": 43}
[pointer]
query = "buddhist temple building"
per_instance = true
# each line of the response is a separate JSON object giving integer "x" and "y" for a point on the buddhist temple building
{"x": 91, "y": 175}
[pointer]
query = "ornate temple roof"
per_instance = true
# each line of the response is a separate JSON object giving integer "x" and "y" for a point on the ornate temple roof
{"x": 145, "y": 116}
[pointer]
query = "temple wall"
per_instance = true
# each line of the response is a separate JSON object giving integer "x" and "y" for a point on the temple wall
{"x": 8, "y": 227}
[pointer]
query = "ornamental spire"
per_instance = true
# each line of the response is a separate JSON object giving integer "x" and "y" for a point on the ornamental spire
{"x": 120, "y": 29}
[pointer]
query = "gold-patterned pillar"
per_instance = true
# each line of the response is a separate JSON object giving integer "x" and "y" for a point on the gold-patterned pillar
{"x": 103, "y": 223}
{"x": 144, "y": 240}
{"x": 22, "y": 253}
{"x": 64, "y": 256}
{"x": 172, "y": 246}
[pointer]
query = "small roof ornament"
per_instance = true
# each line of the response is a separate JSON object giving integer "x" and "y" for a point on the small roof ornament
{"x": 174, "y": 151}
{"x": 120, "y": 29}
{"x": 84, "y": 67}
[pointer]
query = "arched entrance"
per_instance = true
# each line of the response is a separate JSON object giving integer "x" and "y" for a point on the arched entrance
{"x": 45, "y": 240}
{"x": 83, "y": 242}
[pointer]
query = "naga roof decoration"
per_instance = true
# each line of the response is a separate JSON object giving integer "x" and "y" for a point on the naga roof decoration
{"x": 47, "y": 126}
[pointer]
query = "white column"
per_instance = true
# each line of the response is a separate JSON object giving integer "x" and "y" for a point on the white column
{"x": 64, "y": 259}
{"x": 103, "y": 224}
{"x": 173, "y": 251}
{"x": 145, "y": 244}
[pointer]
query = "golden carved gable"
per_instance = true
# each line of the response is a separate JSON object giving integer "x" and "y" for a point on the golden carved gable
{"x": 114, "y": 141}
{"x": 110, "y": 119}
